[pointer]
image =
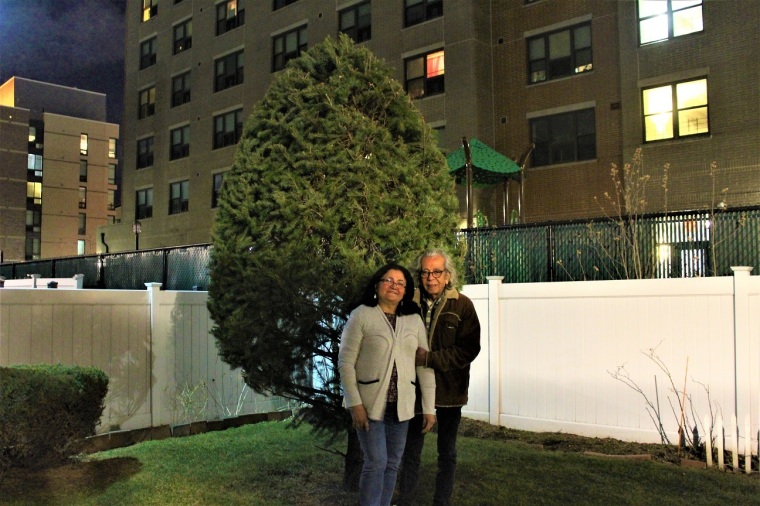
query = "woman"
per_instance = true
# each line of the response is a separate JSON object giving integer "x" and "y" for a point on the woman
{"x": 378, "y": 375}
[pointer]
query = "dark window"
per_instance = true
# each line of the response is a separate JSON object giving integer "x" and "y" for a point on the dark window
{"x": 179, "y": 200}
{"x": 228, "y": 71}
{"x": 287, "y": 46}
{"x": 148, "y": 53}
{"x": 180, "y": 142}
{"x": 667, "y": 19}
{"x": 144, "y": 204}
{"x": 150, "y": 9}
{"x": 183, "y": 36}
{"x": 356, "y": 22}
{"x": 675, "y": 110}
{"x": 419, "y": 11}
{"x": 277, "y": 4}
{"x": 180, "y": 89}
{"x": 145, "y": 152}
{"x": 229, "y": 15}
{"x": 111, "y": 200}
{"x": 228, "y": 128}
{"x": 82, "y": 228}
{"x": 82, "y": 197}
{"x": 425, "y": 75}
{"x": 559, "y": 54}
{"x": 111, "y": 173}
{"x": 563, "y": 138}
{"x": 34, "y": 219}
{"x": 82, "y": 171}
{"x": 216, "y": 190}
{"x": 147, "y": 103}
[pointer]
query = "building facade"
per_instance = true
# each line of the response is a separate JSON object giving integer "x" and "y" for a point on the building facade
{"x": 58, "y": 170}
{"x": 589, "y": 83}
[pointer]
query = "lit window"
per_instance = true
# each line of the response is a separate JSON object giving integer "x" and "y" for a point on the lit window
{"x": 180, "y": 89}
{"x": 356, "y": 22}
{"x": 675, "y": 110}
{"x": 180, "y": 142}
{"x": 33, "y": 192}
{"x": 32, "y": 134}
{"x": 148, "y": 53}
{"x": 228, "y": 128}
{"x": 145, "y": 152}
{"x": 83, "y": 144}
{"x": 80, "y": 247}
{"x": 111, "y": 147}
{"x": 216, "y": 190}
{"x": 559, "y": 54}
{"x": 424, "y": 75}
{"x": 288, "y": 46}
{"x": 82, "y": 197}
{"x": 229, "y": 15}
{"x": 179, "y": 198}
{"x": 418, "y": 11}
{"x": 183, "y": 36}
{"x": 150, "y": 9}
{"x": 147, "y": 102}
{"x": 563, "y": 138}
{"x": 82, "y": 171}
{"x": 144, "y": 204}
{"x": 228, "y": 71}
{"x": 34, "y": 165}
{"x": 666, "y": 19}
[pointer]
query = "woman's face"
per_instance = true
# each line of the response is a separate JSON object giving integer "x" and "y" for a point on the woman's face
{"x": 391, "y": 289}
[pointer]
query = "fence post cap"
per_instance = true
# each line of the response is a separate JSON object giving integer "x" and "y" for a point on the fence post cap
{"x": 494, "y": 278}
{"x": 741, "y": 270}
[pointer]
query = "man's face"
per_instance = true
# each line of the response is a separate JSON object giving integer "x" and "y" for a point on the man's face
{"x": 432, "y": 266}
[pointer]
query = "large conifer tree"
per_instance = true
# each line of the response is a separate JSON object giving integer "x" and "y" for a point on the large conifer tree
{"x": 336, "y": 173}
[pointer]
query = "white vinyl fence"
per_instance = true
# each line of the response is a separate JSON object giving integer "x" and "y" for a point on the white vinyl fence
{"x": 550, "y": 350}
{"x": 155, "y": 346}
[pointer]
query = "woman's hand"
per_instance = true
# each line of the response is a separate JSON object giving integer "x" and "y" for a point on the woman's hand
{"x": 427, "y": 423}
{"x": 359, "y": 417}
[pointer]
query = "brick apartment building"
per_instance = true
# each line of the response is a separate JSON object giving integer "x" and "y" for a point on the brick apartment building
{"x": 589, "y": 82}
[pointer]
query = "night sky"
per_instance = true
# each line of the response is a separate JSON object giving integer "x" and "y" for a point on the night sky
{"x": 67, "y": 42}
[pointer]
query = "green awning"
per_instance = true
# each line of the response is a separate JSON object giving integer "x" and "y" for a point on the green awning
{"x": 488, "y": 165}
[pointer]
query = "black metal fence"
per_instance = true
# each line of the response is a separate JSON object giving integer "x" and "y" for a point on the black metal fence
{"x": 686, "y": 244}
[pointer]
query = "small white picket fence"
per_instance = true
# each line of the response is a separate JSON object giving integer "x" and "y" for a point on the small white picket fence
{"x": 728, "y": 440}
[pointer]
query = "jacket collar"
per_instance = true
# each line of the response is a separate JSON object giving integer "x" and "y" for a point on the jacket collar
{"x": 449, "y": 293}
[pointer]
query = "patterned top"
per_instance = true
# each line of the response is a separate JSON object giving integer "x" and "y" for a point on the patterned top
{"x": 393, "y": 386}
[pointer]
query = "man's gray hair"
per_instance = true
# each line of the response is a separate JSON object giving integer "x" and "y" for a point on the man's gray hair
{"x": 448, "y": 264}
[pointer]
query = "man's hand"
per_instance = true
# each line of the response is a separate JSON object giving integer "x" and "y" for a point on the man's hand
{"x": 420, "y": 357}
{"x": 427, "y": 423}
{"x": 359, "y": 417}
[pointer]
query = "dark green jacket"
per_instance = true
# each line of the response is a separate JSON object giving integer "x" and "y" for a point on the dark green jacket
{"x": 454, "y": 340}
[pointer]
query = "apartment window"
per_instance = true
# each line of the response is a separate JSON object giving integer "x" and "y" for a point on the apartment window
{"x": 150, "y": 9}
{"x": 82, "y": 171}
{"x": 228, "y": 71}
{"x": 419, "y": 11}
{"x": 180, "y": 142}
{"x": 675, "y": 110}
{"x": 666, "y": 19}
{"x": 424, "y": 75}
{"x": 179, "y": 197}
{"x": 147, "y": 102}
{"x": 183, "y": 36}
{"x": 34, "y": 166}
{"x": 82, "y": 230}
{"x": 228, "y": 128}
{"x": 287, "y": 46}
{"x": 356, "y": 22}
{"x": 559, "y": 54}
{"x": 145, "y": 152}
{"x": 33, "y": 220}
{"x": 32, "y": 251}
{"x": 144, "y": 204}
{"x": 83, "y": 144}
{"x": 148, "y": 53}
{"x": 180, "y": 89}
{"x": 32, "y": 134}
{"x": 111, "y": 200}
{"x": 111, "y": 147}
{"x": 216, "y": 190}
{"x": 111, "y": 173}
{"x": 33, "y": 192}
{"x": 282, "y": 3}
{"x": 562, "y": 138}
{"x": 82, "y": 197}
{"x": 81, "y": 247}
{"x": 229, "y": 15}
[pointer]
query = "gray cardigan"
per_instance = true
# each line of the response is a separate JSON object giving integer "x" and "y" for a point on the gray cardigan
{"x": 368, "y": 348}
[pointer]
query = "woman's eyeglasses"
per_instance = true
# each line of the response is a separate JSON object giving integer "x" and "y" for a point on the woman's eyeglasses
{"x": 426, "y": 274}
{"x": 393, "y": 282}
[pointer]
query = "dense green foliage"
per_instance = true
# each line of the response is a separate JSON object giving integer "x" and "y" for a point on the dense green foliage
{"x": 336, "y": 174}
{"x": 47, "y": 411}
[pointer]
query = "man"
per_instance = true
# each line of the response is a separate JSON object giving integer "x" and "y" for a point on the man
{"x": 453, "y": 331}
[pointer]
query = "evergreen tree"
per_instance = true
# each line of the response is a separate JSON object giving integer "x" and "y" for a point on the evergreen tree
{"x": 335, "y": 174}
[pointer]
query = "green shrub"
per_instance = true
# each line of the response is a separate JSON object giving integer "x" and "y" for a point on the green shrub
{"x": 47, "y": 411}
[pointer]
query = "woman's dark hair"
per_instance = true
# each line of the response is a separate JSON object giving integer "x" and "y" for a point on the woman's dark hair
{"x": 406, "y": 306}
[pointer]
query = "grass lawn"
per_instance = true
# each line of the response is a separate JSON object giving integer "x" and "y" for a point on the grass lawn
{"x": 273, "y": 464}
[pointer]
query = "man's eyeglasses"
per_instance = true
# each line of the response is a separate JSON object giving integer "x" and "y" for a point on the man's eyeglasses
{"x": 392, "y": 282}
{"x": 426, "y": 274}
